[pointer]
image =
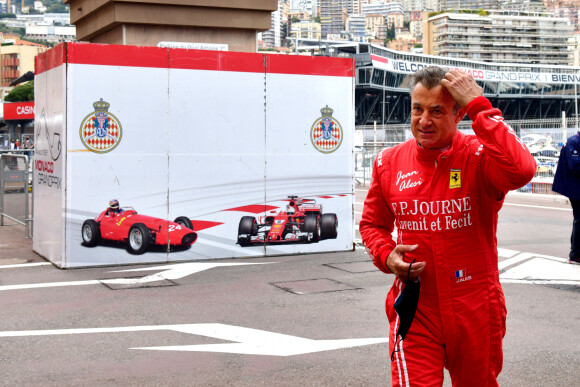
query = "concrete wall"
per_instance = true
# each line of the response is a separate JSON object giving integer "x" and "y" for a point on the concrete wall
{"x": 148, "y": 22}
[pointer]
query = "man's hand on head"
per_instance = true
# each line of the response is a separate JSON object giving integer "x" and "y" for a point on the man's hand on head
{"x": 400, "y": 268}
{"x": 461, "y": 86}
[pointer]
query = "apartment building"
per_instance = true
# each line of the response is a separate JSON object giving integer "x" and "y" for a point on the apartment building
{"x": 332, "y": 17}
{"x": 17, "y": 59}
{"x": 498, "y": 36}
{"x": 564, "y": 8}
{"x": 416, "y": 24}
{"x": 395, "y": 20}
{"x": 306, "y": 30}
{"x": 382, "y": 8}
{"x": 376, "y": 25}
{"x": 356, "y": 27}
{"x": 523, "y": 5}
{"x": 273, "y": 36}
{"x": 309, "y": 6}
{"x": 468, "y": 4}
{"x": 50, "y": 33}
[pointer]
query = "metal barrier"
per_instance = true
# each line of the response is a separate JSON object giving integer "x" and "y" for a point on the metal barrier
{"x": 15, "y": 187}
{"x": 544, "y": 138}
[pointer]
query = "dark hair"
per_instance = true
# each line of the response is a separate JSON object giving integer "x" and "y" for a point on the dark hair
{"x": 429, "y": 77}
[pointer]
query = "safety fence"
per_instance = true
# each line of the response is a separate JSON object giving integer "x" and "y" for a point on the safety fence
{"x": 544, "y": 138}
{"x": 16, "y": 204}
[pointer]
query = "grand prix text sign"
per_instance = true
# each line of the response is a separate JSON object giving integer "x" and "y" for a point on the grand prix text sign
{"x": 19, "y": 111}
{"x": 482, "y": 75}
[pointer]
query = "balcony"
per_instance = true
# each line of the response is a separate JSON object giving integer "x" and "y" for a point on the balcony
{"x": 10, "y": 62}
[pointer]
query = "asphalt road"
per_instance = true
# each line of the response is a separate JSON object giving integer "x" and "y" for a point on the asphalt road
{"x": 276, "y": 321}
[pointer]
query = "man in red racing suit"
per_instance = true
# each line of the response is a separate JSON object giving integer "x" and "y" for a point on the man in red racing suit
{"x": 443, "y": 191}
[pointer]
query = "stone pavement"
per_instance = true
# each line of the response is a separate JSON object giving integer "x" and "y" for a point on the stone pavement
{"x": 14, "y": 247}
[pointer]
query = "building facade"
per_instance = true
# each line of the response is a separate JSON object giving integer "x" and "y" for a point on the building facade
{"x": 416, "y": 24}
{"x": 564, "y": 8}
{"x": 273, "y": 36}
{"x": 395, "y": 20}
{"x": 17, "y": 59}
{"x": 306, "y": 30}
{"x": 50, "y": 33}
{"x": 147, "y": 23}
{"x": 468, "y": 4}
{"x": 356, "y": 27}
{"x": 332, "y": 17}
{"x": 376, "y": 24}
{"x": 499, "y": 36}
{"x": 382, "y": 8}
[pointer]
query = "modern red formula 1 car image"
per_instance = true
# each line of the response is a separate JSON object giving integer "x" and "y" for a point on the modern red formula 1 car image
{"x": 139, "y": 232}
{"x": 302, "y": 222}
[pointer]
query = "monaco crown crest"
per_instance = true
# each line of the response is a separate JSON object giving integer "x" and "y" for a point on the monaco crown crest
{"x": 326, "y": 133}
{"x": 101, "y": 131}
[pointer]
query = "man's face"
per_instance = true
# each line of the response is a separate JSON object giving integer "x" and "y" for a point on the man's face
{"x": 433, "y": 121}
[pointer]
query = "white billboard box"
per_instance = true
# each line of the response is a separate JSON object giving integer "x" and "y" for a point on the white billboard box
{"x": 155, "y": 154}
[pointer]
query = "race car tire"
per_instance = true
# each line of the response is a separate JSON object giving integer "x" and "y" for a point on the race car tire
{"x": 328, "y": 226}
{"x": 91, "y": 232}
{"x": 184, "y": 221}
{"x": 312, "y": 225}
{"x": 249, "y": 227}
{"x": 139, "y": 238}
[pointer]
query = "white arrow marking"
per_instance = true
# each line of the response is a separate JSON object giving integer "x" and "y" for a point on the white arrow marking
{"x": 529, "y": 268}
{"x": 174, "y": 271}
{"x": 171, "y": 272}
{"x": 257, "y": 342}
{"x": 248, "y": 341}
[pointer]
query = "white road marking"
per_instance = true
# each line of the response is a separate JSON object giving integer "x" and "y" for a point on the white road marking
{"x": 171, "y": 272}
{"x": 247, "y": 341}
{"x": 17, "y": 265}
{"x": 48, "y": 285}
{"x": 538, "y": 269}
{"x": 506, "y": 253}
{"x": 535, "y": 206}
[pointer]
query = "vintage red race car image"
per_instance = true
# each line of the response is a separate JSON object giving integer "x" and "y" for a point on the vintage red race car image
{"x": 302, "y": 222}
{"x": 138, "y": 232}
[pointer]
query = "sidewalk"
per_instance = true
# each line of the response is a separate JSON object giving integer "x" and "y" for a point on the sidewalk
{"x": 14, "y": 247}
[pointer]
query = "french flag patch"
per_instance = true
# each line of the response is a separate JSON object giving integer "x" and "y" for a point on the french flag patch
{"x": 460, "y": 273}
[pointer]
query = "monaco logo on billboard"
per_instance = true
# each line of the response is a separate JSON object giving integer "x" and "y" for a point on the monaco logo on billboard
{"x": 19, "y": 110}
{"x": 326, "y": 132}
{"x": 101, "y": 131}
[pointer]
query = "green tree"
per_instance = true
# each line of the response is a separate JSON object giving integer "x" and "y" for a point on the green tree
{"x": 22, "y": 93}
{"x": 57, "y": 8}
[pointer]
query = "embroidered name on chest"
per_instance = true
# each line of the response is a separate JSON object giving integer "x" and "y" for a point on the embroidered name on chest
{"x": 408, "y": 180}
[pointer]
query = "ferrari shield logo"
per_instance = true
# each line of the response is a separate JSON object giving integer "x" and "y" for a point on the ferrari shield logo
{"x": 455, "y": 178}
{"x": 326, "y": 133}
{"x": 101, "y": 131}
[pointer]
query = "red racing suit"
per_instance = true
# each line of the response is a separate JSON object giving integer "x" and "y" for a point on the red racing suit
{"x": 447, "y": 202}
